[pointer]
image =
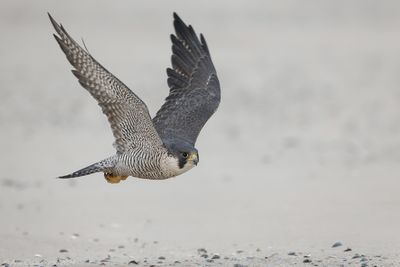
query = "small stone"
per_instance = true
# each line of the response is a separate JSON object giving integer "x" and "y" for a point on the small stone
{"x": 215, "y": 257}
{"x": 87, "y": 261}
{"x": 5, "y": 264}
{"x": 363, "y": 259}
{"x": 292, "y": 253}
{"x": 239, "y": 251}
{"x": 307, "y": 260}
{"x": 337, "y": 244}
{"x": 347, "y": 250}
{"x": 74, "y": 236}
{"x": 239, "y": 265}
{"x": 258, "y": 249}
{"x": 63, "y": 251}
{"x": 204, "y": 256}
{"x": 111, "y": 250}
{"x": 161, "y": 258}
{"x": 210, "y": 260}
{"x": 121, "y": 246}
{"x": 106, "y": 259}
{"x": 176, "y": 262}
{"x": 202, "y": 251}
{"x": 356, "y": 256}
{"x": 364, "y": 264}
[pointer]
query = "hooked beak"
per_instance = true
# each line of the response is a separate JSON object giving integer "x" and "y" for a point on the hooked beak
{"x": 193, "y": 157}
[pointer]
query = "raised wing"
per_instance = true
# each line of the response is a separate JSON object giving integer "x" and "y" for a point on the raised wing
{"x": 194, "y": 87}
{"x": 128, "y": 115}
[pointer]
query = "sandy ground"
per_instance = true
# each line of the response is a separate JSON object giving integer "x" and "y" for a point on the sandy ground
{"x": 303, "y": 152}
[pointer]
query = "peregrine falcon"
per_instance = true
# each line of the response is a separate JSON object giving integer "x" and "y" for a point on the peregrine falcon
{"x": 164, "y": 146}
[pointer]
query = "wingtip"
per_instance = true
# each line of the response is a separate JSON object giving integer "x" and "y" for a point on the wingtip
{"x": 54, "y": 23}
{"x": 51, "y": 18}
{"x": 178, "y": 19}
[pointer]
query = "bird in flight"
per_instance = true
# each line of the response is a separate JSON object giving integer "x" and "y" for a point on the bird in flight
{"x": 164, "y": 146}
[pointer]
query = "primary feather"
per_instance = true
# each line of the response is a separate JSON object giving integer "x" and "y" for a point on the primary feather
{"x": 194, "y": 88}
{"x": 127, "y": 114}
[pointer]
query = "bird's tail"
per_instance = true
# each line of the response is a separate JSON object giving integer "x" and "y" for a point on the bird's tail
{"x": 96, "y": 167}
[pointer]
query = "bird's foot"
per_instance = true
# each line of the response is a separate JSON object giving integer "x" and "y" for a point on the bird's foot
{"x": 114, "y": 179}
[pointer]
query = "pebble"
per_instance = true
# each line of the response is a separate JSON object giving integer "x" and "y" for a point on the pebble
{"x": 337, "y": 244}
{"x": 292, "y": 253}
{"x": 5, "y": 264}
{"x": 161, "y": 258}
{"x": 356, "y": 256}
{"x": 202, "y": 251}
{"x": 239, "y": 251}
{"x": 63, "y": 250}
{"x": 121, "y": 246}
{"x": 215, "y": 257}
{"x": 239, "y": 265}
{"x": 364, "y": 264}
{"x": 347, "y": 250}
{"x": 307, "y": 260}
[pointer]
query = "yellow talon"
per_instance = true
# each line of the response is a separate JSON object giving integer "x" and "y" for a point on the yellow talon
{"x": 114, "y": 179}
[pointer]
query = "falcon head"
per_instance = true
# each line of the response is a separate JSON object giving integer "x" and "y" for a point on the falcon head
{"x": 183, "y": 156}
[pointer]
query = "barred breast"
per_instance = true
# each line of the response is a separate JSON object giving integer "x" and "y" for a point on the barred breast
{"x": 139, "y": 164}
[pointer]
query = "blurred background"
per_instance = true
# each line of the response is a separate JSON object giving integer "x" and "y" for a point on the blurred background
{"x": 303, "y": 151}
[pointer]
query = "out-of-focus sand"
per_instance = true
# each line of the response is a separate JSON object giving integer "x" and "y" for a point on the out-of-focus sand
{"x": 303, "y": 152}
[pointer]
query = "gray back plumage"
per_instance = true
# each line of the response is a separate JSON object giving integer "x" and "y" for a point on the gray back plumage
{"x": 128, "y": 115}
{"x": 194, "y": 88}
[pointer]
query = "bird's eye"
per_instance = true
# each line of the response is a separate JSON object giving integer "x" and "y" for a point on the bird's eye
{"x": 185, "y": 155}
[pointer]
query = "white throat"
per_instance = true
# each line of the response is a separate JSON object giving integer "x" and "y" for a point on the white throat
{"x": 170, "y": 166}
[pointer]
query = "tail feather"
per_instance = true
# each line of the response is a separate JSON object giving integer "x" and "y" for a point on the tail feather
{"x": 82, "y": 172}
{"x": 96, "y": 167}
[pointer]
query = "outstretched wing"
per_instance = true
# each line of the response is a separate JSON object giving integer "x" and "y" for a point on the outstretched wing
{"x": 128, "y": 115}
{"x": 194, "y": 87}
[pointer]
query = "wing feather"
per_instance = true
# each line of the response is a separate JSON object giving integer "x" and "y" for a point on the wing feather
{"x": 194, "y": 87}
{"x": 127, "y": 114}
